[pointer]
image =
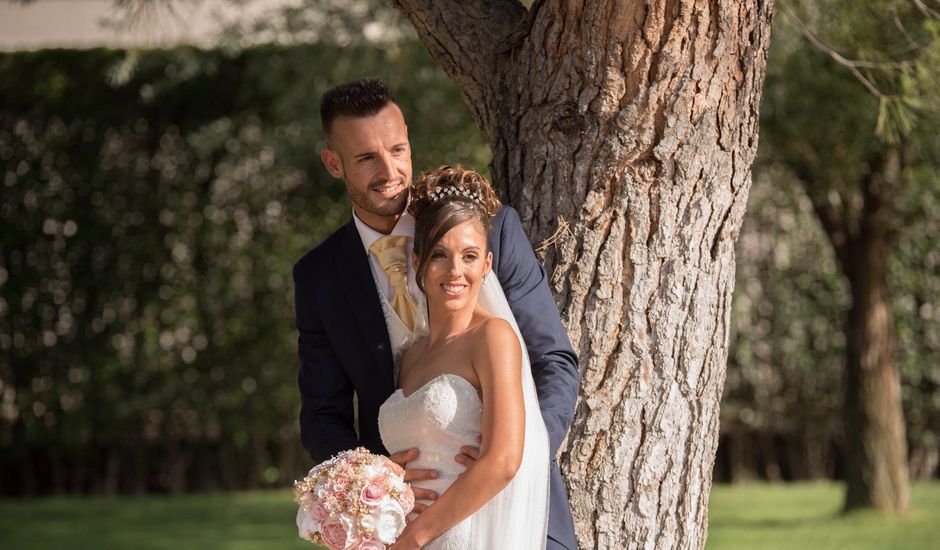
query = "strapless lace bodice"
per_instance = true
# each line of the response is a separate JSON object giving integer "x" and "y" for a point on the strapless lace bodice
{"x": 438, "y": 418}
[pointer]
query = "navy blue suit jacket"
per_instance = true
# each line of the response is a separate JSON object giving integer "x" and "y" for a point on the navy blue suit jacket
{"x": 344, "y": 348}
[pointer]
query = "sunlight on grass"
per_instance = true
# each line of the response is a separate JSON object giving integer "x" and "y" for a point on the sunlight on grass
{"x": 807, "y": 516}
{"x": 236, "y": 521}
{"x": 752, "y": 516}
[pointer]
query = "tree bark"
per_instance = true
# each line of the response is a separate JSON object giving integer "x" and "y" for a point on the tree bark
{"x": 626, "y": 130}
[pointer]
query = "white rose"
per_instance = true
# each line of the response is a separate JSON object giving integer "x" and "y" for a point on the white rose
{"x": 397, "y": 483}
{"x": 325, "y": 465}
{"x": 373, "y": 471}
{"x": 391, "y": 521}
{"x": 368, "y": 522}
{"x": 348, "y": 521}
{"x": 306, "y": 524}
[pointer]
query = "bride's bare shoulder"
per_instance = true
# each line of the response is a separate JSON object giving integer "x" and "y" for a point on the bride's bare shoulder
{"x": 495, "y": 349}
{"x": 495, "y": 331}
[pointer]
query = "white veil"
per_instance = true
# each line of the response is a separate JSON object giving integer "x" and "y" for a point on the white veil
{"x": 517, "y": 517}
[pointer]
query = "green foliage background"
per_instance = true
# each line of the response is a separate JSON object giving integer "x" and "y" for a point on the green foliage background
{"x": 153, "y": 204}
{"x": 782, "y": 411}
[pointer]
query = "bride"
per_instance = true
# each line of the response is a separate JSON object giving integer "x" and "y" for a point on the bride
{"x": 468, "y": 380}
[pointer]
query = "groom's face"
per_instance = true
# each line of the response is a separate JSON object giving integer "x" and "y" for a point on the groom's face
{"x": 373, "y": 156}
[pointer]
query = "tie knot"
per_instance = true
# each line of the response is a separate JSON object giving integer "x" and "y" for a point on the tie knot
{"x": 390, "y": 251}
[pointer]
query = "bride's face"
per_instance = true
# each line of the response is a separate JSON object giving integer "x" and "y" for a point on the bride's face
{"x": 456, "y": 267}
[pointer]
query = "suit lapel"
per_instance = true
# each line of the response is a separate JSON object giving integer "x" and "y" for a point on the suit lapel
{"x": 362, "y": 295}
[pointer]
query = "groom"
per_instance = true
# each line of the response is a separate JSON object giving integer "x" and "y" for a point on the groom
{"x": 346, "y": 352}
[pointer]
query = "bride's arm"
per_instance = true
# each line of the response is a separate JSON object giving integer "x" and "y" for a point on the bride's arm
{"x": 496, "y": 359}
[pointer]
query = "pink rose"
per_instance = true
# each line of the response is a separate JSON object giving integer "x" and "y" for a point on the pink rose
{"x": 337, "y": 493}
{"x": 319, "y": 512}
{"x": 373, "y": 493}
{"x": 370, "y": 545}
{"x": 334, "y": 534}
{"x": 392, "y": 467}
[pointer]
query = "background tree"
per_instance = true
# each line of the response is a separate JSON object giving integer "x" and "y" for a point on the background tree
{"x": 848, "y": 110}
{"x": 626, "y": 130}
{"x": 782, "y": 410}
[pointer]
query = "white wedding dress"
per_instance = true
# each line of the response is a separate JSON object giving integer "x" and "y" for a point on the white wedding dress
{"x": 445, "y": 414}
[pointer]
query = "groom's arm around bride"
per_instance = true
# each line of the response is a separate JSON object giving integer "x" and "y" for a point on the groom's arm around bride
{"x": 554, "y": 363}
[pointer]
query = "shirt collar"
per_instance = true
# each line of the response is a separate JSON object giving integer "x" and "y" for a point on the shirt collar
{"x": 405, "y": 227}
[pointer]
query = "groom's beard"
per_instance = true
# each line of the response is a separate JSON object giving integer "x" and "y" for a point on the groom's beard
{"x": 372, "y": 202}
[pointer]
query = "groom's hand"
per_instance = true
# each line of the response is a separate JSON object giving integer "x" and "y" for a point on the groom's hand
{"x": 468, "y": 454}
{"x": 402, "y": 458}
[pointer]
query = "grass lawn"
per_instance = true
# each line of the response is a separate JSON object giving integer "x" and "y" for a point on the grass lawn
{"x": 230, "y": 521}
{"x": 806, "y": 517}
{"x": 800, "y": 516}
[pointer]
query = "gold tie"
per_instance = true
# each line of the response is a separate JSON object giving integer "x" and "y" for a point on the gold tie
{"x": 391, "y": 254}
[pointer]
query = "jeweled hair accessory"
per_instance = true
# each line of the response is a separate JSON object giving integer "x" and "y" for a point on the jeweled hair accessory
{"x": 446, "y": 192}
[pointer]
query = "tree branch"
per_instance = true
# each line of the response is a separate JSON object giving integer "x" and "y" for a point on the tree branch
{"x": 834, "y": 222}
{"x": 465, "y": 36}
{"x": 851, "y": 64}
{"x": 924, "y": 9}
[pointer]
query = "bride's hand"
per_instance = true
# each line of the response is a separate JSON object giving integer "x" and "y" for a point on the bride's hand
{"x": 402, "y": 458}
{"x": 408, "y": 540}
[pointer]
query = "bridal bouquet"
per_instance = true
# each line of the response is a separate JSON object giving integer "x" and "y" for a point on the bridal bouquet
{"x": 355, "y": 500}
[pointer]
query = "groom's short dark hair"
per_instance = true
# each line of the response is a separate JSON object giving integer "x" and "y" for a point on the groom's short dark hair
{"x": 360, "y": 98}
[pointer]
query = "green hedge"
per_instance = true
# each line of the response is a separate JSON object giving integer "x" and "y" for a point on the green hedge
{"x": 153, "y": 204}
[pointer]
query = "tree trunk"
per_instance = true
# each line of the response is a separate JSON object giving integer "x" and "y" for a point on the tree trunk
{"x": 740, "y": 457}
{"x": 768, "y": 449}
{"x": 876, "y": 466}
{"x": 627, "y": 131}
{"x": 814, "y": 459}
{"x": 924, "y": 462}
{"x": 860, "y": 231}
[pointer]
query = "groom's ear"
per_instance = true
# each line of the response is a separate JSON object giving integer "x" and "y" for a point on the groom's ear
{"x": 334, "y": 164}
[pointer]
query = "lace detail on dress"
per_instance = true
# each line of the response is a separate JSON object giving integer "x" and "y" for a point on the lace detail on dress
{"x": 438, "y": 418}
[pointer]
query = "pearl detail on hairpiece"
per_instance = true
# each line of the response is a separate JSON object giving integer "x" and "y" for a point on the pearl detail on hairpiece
{"x": 443, "y": 193}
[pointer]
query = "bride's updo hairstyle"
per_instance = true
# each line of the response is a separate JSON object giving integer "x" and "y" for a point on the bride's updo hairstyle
{"x": 444, "y": 198}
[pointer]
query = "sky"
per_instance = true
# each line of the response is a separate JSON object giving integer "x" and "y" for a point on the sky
{"x": 79, "y": 23}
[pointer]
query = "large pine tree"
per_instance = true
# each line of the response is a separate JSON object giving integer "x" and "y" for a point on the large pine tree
{"x": 623, "y": 132}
